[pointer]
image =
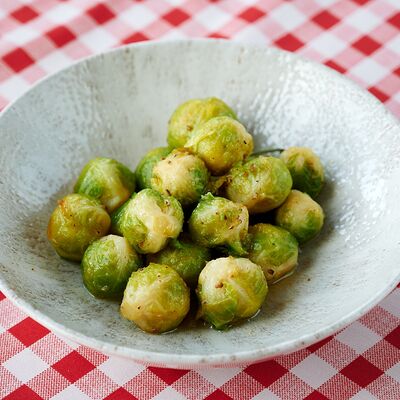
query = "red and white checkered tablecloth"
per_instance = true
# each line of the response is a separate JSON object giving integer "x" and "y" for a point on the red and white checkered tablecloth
{"x": 359, "y": 38}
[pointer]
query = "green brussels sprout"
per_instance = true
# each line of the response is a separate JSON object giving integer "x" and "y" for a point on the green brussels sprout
{"x": 301, "y": 216}
{"x": 144, "y": 170}
{"x": 274, "y": 249}
{"x": 181, "y": 175}
{"x": 220, "y": 143}
{"x": 76, "y": 222}
{"x": 260, "y": 183}
{"x": 148, "y": 220}
{"x": 156, "y": 299}
{"x": 306, "y": 169}
{"x": 185, "y": 257}
{"x": 191, "y": 114}
{"x": 230, "y": 289}
{"x": 107, "y": 265}
{"x": 106, "y": 180}
{"x": 218, "y": 222}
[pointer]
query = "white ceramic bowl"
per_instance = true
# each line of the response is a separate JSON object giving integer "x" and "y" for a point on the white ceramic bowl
{"x": 117, "y": 104}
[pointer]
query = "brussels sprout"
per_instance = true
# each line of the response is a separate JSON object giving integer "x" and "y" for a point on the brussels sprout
{"x": 148, "y": 220}
{"x": 274, "y": 249}
{"x": 218, "y": 222}
{"x": 306, "y": 169}
{"x": 106, "y": 180}
{"x": 77, "y": 221}
{"x": 185, "y": 257}
{"x": 260, "y": 183}
{"x": 156, "y": 299}
{"x": 230, "y": 289}
{"x": 301, "y": 216}
{"x": 181, "y": 175}
{"x": 191, "y": 114}
{"x": 220, "y": 143}
{"x": 107, "y": 265}
{"x": 144, "y": 169}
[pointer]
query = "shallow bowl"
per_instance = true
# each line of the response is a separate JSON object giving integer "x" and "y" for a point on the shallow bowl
{"x": 117, "y": 105}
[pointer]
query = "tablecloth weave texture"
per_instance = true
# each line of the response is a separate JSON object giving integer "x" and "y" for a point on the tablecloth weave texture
{"x": 359, "y": 38}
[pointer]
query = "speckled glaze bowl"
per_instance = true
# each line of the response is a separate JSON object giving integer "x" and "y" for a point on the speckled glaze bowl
{"x": 117, "y": 105}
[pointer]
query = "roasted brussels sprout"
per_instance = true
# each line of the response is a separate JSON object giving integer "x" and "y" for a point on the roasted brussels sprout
{"x": 106, "y": 180}
{"x": 185, "y": 257}
{"x": 306, "y": 169}
{"x": 144, "y": 169}
{"x": 148, "y": 220}
{"x": 107, "y": 265}
{"x": 156, "y": 299}
{"x": 181, "y": 175}
{"x": 230, "y": 289}
{"x": 260, "y": 183}
{"x": 274, "y": 249}
{"x": 301, "y": 216}
{"x": 218, "y": 222}
{"x": 220, "y": 143}
{"x": 77, "y": 221}
{"x": 191, "y": 114}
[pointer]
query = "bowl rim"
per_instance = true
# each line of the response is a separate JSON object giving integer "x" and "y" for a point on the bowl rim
{"x": 199, "y": 360}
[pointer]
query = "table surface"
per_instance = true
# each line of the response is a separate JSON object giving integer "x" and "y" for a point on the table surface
{"x": 359, "y": 38}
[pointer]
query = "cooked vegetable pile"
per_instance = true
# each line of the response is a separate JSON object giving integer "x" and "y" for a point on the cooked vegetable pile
{"x": 180, "y": 222}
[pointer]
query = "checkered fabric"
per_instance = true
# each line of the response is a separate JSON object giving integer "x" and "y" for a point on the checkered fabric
{"x": 359, "y": 38}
